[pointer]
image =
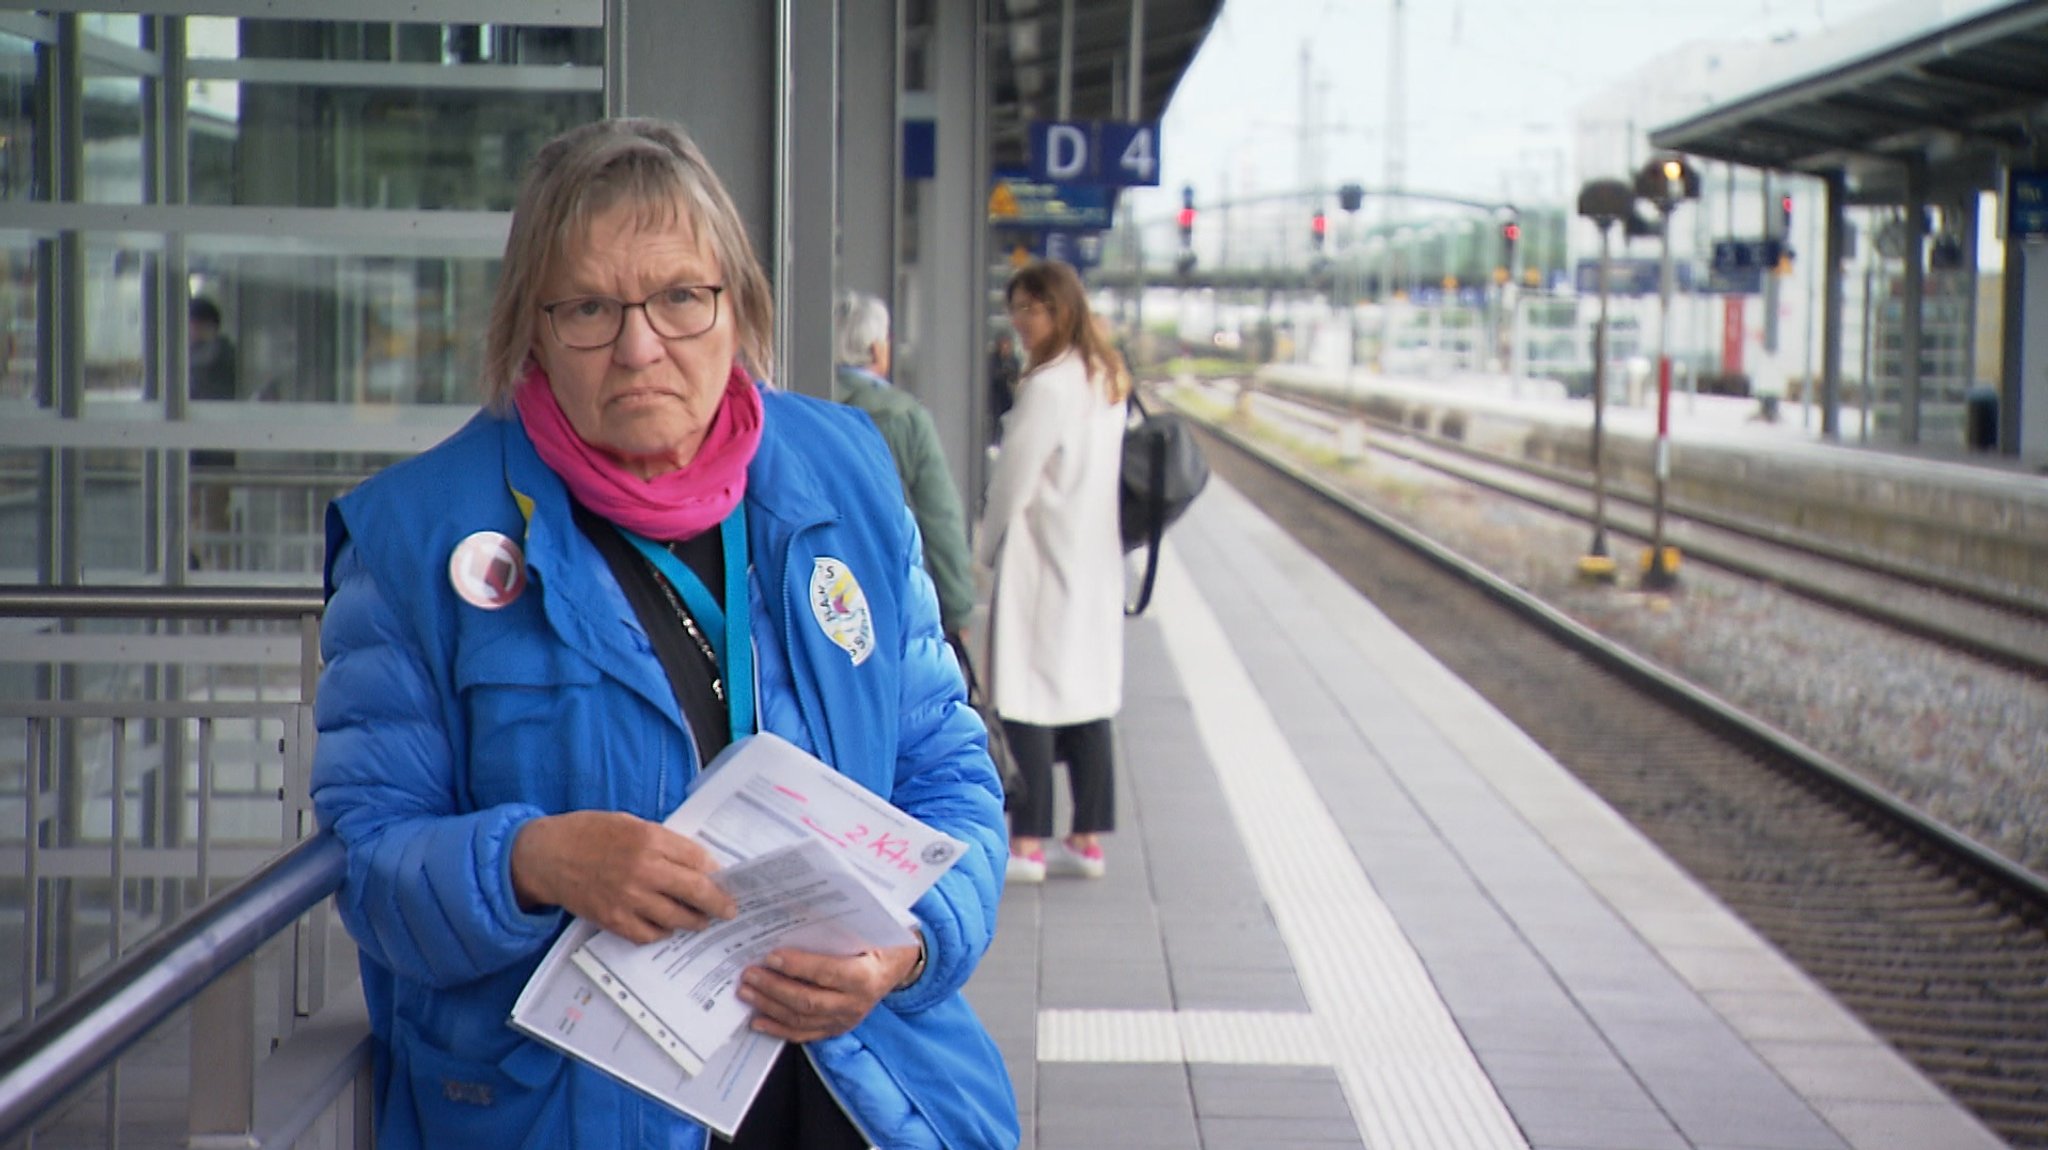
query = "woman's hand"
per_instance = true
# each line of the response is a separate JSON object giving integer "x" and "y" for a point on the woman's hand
{"x": 803, "y": 997}
{"x": 632, "y": 877}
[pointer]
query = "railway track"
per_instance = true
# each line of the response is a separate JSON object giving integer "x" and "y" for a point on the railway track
{"x": 2002, "y": 627}
{"x": 1937, "y": 944}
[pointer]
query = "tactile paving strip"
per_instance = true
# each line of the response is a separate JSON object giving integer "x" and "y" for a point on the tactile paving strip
{"x": 1410, "y": 1077}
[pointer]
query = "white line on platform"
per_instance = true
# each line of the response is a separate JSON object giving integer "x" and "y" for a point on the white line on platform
{"x": 1410, "y": 1078}
{"x": 1242, "y": 1037}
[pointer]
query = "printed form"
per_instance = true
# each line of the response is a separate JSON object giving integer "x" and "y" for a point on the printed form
{"x": 804, "y": 827}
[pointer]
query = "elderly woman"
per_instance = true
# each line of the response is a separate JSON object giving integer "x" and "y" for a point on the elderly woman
{"x": 1050, "y": 532}
{"x": 539, "y": 630}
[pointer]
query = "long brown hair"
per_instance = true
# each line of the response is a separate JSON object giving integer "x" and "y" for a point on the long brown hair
{"x": 1057, "y": 288}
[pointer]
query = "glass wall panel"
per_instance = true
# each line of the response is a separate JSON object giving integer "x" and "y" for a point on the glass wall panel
{"x": 361, "y": 129}
{"x": 20, "y": 477}
{"x": 375, "y": 147}
{"x": 115, "y": 127}
{"x": 17, "y": 321}
{"x": 118, "y": 28}
{"x": 113, "y": 320}
{"x": 369, "y": 331}
{"x": 17, "y": 118}
{"x": 403, "y": 43}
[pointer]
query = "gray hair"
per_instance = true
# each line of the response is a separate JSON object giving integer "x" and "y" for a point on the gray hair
{"x": 587, "y": 171}
{"x": 859, "y": 322}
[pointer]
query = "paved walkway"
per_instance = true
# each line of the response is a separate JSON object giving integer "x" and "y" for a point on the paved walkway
{"x": 1350, "y": 905}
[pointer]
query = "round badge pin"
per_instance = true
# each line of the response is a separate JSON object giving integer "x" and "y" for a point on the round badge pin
{"x": 487, "y": 570}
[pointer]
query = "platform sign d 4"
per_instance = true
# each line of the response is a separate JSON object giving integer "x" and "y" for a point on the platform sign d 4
{"x": 1103, "y": 152}
{"x": 2027, "y": 205}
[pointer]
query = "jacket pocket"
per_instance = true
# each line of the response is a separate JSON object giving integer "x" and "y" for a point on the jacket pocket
{"x": 517, "y": 1103}
{"x": 524, "y": 700}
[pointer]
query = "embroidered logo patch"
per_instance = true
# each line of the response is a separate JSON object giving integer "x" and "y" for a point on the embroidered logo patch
{"x": 488, "y": 570}
{"x": 841, "y": 608}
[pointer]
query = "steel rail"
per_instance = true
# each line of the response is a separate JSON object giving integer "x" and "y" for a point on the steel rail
{"x": 1921, "y": 576}
{"x": 66, "y": 1047}
{"x": 1682, "y": 693}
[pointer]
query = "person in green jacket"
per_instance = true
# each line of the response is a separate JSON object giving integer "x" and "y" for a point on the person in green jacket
{"x": 860, "y": 343}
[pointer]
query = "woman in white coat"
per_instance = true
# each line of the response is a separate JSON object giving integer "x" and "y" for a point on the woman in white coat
{"x": 1050, "y": 533}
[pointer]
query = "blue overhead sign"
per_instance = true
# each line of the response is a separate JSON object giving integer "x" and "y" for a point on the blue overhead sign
{"x": 1630, "y": 277}
{"x": 2027, "y": 205}
{"x": 1023, "y": 202}
{"x": 1734, "y": 281}
{"x": 1742, "y": 255}
{"x": 1095, "y": 152}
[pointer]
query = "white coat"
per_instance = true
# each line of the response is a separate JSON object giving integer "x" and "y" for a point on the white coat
{"x": 1050, "y": 532}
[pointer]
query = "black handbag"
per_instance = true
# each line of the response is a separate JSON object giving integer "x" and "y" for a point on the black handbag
{"x": 998, "y": 740}
{"x": 1163, "y": 471}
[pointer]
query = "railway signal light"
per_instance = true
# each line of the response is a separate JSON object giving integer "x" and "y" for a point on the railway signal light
{"x": 1187, "y": 216}
{"x": 1318, "y": 228}
{"x": 1785, "y": 214}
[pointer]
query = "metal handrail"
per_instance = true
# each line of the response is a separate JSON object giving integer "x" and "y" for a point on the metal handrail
{"x": 89, "y": 1030}
{"x": 23, "y": 601}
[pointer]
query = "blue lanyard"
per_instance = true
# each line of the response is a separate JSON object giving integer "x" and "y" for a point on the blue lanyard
{"x": 728, "y": 632}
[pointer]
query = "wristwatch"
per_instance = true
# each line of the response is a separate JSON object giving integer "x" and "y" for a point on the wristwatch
{"x": 916, "y": 968}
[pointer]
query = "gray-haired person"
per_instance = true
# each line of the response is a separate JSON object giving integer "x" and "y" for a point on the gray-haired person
{"x": 860, "y": 346}
{"x": 542, "y": 628}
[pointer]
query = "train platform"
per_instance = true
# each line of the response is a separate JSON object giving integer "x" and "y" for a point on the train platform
{"x": 1349, "y": 904}
{"x": 1941, "y": 508}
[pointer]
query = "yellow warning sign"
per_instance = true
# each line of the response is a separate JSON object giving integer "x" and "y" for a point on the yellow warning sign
{"x": 1002, "y": 203}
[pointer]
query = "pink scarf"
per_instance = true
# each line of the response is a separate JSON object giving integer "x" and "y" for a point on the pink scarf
{"x": 680, "y": 504}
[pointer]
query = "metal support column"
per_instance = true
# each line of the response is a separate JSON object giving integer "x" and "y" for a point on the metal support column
{"x": 1065, "y": 103}
{"x": 2013, "y": 301}
{"x": 64, "y": 561}
{"x": 1134, "y": 111}
{"x": 1912, "y": 305}
{"x": 1965, "y": 231}
{"x": 870, "y": 142}
{"x": 952, "y": 239}
{"x": 1833, "y": 257}
{"x": 807, "y": 194}
{"x": 712, "y": 66}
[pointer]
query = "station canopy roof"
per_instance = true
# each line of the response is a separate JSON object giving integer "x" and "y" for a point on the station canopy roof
{"x": 1961, "y": 83}
{"x": 1025, "y": 37}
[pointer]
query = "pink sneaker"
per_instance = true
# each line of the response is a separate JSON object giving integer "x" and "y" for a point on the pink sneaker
{"x": 1025, "y": 868}
{"x": 1085, "y": 862}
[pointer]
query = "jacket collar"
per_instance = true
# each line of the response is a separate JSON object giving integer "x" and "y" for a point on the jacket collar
{"x": 784, "y": 496}
{"x": 781, "y": 480}
{"x": 847, "y": 377}
{"x": 580, "y": 598}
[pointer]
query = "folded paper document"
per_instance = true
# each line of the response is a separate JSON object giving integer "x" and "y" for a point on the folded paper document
{"x": 817, "y": 861}
{"x": 684, "y": 990}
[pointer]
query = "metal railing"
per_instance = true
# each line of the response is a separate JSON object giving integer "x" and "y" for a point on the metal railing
{"x": 211, "y": 949}
{"x": 129, "y": 813}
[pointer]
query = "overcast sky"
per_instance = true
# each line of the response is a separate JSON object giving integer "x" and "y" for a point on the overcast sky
{"x": 1492, "y": 86}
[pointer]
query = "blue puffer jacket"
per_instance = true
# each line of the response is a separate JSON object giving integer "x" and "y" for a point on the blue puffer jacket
{"x": 444, "y": 728}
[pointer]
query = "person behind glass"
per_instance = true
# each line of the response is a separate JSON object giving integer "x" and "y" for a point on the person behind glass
{"x": 539, "y": 630}
{"x": 210, "y": 354}
{"x": 1049, "y": 531}
{"x": 860, "y": 345}
{"x": 210, "y": 361}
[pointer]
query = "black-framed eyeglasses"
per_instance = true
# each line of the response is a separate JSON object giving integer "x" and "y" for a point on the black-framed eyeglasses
{"x": 678, "y": 311}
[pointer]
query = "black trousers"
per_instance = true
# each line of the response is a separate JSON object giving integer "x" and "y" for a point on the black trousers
{"x": 794, "y": 1111}
{"x": 1089, "y": 750}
